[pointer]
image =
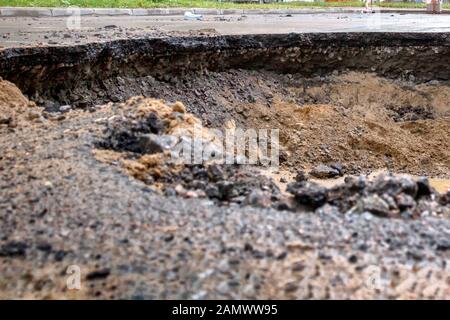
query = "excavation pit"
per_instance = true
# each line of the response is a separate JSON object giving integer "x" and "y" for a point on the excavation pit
{"x": 86, "y": 177}
{"x": 350, "y": 107}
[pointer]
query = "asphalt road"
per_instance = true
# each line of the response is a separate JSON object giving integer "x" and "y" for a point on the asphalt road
{"x": 54, "y": 31}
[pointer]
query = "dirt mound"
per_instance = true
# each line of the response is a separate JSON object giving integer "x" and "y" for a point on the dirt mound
{"x": 359, "y": 126}
{"x": 14, "y": 106}
{"x": 363, "y": 121}
{"x": 142, "y": 138}
{"x": 11, "y": 96}
{"x": 373, "y": 96}
{"x": 386, "y": 196}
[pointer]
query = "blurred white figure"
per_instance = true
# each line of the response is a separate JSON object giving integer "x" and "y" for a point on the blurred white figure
{"x": 368, "y": 5}
{"x": 188, "y": 15}
{"x": 373, "y": 21}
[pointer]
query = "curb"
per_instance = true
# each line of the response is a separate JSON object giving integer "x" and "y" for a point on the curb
{"x": 65, "y": 12}
{"x": 25, "y": 12}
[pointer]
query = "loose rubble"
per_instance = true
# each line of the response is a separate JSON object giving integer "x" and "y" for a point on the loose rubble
{"x": 147, "y": 134}
{"x": 148, "y": 130}
{"x": 386, "y": 195}
{"x": 97, "y": 188}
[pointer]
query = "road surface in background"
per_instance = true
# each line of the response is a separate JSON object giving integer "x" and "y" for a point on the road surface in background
{"x": 54, "y": 31}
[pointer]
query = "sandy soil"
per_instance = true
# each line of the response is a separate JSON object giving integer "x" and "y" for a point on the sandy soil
{"x": 14, "y": 107}
{"x": 365, "y": 125}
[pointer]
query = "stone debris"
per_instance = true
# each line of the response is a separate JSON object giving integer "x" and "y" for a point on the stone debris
{"x": 325, "y": 172}
{"x": 386, "y": 195}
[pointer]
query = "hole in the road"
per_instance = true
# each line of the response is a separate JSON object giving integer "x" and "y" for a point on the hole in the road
{"x": 334, "y": 124}
{"x": 338, "y": 125}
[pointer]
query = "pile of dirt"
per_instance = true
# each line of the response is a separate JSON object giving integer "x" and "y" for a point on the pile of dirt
{"x": 373, "y": 96}
{"x": 15, "y": 108}
{"x": 139, "y": 118}
{"x": 143, "y": 136}
{"x": 143, "y": 133}
{"x": 364, "y": 126}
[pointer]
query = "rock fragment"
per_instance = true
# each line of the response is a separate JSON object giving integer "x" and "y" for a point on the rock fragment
{"x": 308, "y": 193}
{"x": 324, "y": 172}
{"x": 13, "y": 249}
{"x": 258, "y": 198}
{"x": 375, "y": 205}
